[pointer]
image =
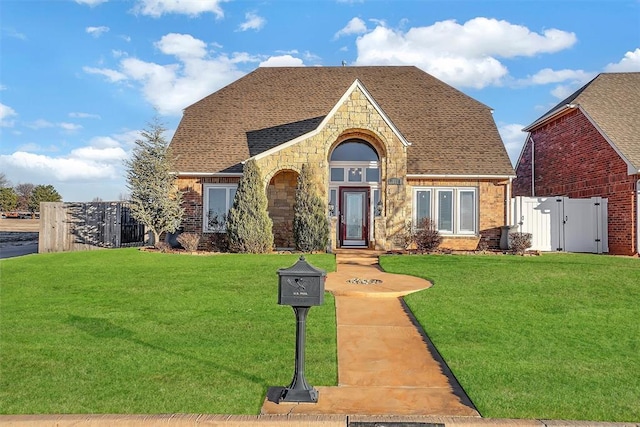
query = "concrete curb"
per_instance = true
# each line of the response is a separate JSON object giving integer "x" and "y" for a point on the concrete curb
{"x": 194, "y": 420}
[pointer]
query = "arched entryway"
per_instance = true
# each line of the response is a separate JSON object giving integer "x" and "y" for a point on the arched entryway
{"x": 354, "y": 191}
{"x": 281, "y": 194}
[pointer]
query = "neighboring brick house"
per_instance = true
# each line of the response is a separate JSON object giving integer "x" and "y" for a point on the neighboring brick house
{"x": 388, "y": 145}
{"x": 589, "y": 146}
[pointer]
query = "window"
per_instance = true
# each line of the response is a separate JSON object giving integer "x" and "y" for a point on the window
{"x": 354, "y": 150}
{"x": 337, "y": 174}
{"x": 467, "y": 211}
{"x": 333, "y": 201}
{"x": 218, "y": 199}
{"x": 376, "y": 200}
{"x": 454, "y": 210}
{"x": 372, "y": 174}
{"x": 355, "y": 174}
{"x": 423, "y": 205}
{"x": 445, "y": 211}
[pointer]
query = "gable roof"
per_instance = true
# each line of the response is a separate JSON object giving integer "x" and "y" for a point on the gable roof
{"x": 448, "y": 132}
{"x": 612, "y": 102}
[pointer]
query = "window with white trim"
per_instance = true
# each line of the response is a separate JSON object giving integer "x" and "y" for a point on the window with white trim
{"x": 217, "y": 200}
{"x": 453, "y": 210}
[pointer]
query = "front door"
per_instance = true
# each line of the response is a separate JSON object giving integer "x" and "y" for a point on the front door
{"x": 354, "y": 220}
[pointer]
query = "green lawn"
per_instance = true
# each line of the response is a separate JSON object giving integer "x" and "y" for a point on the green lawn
{"x": 125, "y": 331}
{"x": 555, "y": 336}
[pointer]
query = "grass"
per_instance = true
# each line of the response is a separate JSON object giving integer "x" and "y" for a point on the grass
{"x": 549, "y": 337}
{"x": 125, "y": 331}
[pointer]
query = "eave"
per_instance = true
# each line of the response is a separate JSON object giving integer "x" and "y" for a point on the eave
{"x": 458, "y": 176}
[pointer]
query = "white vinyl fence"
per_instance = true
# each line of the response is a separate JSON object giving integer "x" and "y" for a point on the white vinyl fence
{"x": 563, "y": 224}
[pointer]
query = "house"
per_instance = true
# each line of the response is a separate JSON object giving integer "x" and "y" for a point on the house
{"x": 589, "y": 146}
{"x": 389, "y": 145}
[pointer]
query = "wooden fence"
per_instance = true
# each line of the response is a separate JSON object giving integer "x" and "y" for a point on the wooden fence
{"x": 87, "y": 226}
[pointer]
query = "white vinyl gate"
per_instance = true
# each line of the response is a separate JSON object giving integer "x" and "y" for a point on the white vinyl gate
{"x": 563, "y": 224}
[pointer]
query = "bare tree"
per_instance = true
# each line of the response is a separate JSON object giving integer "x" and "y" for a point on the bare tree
{"x": 155, "y": 198}
{"x": 24, "y": 195}
{"x": 4, "y": 181}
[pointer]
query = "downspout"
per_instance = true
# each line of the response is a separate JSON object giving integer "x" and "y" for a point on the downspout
{"x": 509, "y": 199}
{"x": 533, "y": 166}
{"x": 638, "y": 216}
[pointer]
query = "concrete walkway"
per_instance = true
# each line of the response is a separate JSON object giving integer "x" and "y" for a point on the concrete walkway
{"x": 386, "y": 365}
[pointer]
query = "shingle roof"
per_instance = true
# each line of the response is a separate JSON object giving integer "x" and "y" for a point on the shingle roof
{"x": 449, "y": 132}
{"x": 612, "y": 100}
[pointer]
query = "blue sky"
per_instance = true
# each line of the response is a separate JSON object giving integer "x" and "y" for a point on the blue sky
{"x": 80, "y": 78}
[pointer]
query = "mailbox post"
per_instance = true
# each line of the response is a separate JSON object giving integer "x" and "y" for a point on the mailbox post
{"x": 300, "y": 286}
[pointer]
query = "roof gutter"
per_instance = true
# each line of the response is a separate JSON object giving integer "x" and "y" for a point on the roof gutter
{"x": 208, "y": 174}
{"x": 552, "y": 115}
{"x": 452, "y": 176}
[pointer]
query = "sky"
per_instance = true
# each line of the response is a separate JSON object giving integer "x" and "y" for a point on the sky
{"x": 79, "y": 79}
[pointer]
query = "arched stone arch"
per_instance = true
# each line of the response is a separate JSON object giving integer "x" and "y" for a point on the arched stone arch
{"x": 269, "y": 174}
{"x": 281, "y": 194}
{"x": 373, "y": 139}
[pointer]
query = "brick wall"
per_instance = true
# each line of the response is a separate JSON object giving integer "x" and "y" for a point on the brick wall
{"x": 491, "y": 209}
{"x": 573, "y": 159}
{"x": 192, "y": 200}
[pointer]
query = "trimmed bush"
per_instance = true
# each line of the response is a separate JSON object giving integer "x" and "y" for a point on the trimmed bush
{"x": 310, "y": 223}
{"x": 248, "y": 223}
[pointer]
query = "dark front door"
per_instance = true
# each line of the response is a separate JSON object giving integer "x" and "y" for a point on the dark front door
{"x": 354, "y": 218}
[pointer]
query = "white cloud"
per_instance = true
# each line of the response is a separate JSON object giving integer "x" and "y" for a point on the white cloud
{"x": 39, "y": 167}
{"x": 78, "y": 115}
{"x": 43, "y": 124}
{"x": 253, "y": 22}
{"x": 630, "y": 62}
{"x": 96, "y": 154}
{"x": 282, "y": 61}
{"x": 40, "y": 124}
{"x": 12, "y": 32}
{"x": 183, "y": 46}
{"x": 112, "y": 75}
{"x": 91, "y": 3}
{"x": 513, "y": 139}
{"x": 97, "y": 31}
{"x": 355, "y": 26}
{"x": 547, "y": 76}
{"x": 157, "y": 8}
{"x": 6, "y": 114}
{"x": 172, "y": 87}
{"x": 69, "y": 127}
{"x": 463, "y": 55}
{"x": 563, "y": 91}
{"x": 571, "y": 80}
{"x": 101, "y": 160}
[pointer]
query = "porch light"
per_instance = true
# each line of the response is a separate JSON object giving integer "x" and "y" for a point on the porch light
{"x": 331, "y": 209}
{"x": 379, "y": 208}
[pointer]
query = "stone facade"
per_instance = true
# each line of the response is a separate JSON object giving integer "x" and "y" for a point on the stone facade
{"x": 281, "y": 194}
{"x": 573, "y": 159}
{"x": 355, "y": 118}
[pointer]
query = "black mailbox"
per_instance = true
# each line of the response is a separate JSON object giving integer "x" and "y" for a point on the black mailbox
{"x": 301, "y": 285}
